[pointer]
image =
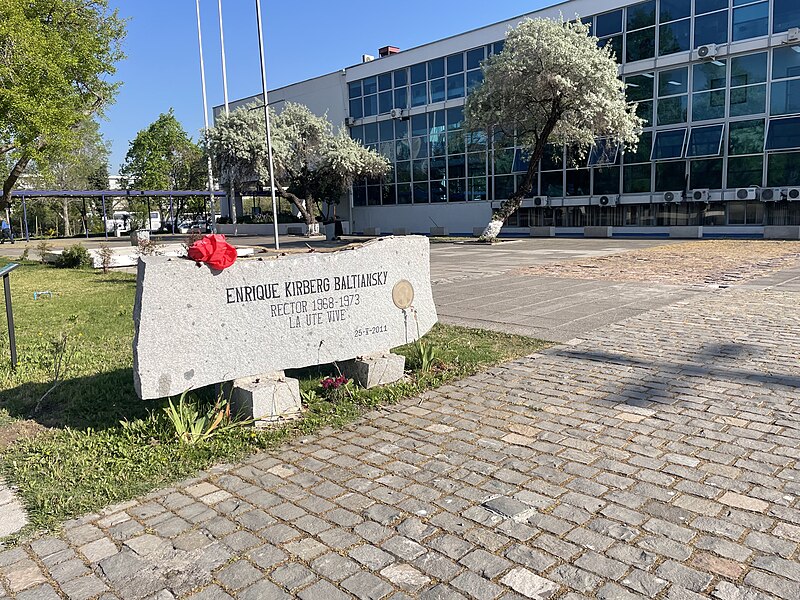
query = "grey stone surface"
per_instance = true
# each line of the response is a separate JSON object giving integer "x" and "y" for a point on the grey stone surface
{"x": 14, "y": 515}
{"x": 267, "y": 398}
{"x": 597, "y": 232}
{"x": 374, "y": 370}
{"x": 305, "y": 308}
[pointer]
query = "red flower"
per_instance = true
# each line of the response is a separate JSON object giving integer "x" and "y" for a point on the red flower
{"x": 214, "y": 251}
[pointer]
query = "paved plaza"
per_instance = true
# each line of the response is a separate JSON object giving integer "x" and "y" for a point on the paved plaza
{"x": 653, "y": 454}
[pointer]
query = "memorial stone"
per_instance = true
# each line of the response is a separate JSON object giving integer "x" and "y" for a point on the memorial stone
{"x": 196, "y": 327}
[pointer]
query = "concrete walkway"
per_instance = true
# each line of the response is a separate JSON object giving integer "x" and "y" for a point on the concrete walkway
{"x": 656, "y": 457}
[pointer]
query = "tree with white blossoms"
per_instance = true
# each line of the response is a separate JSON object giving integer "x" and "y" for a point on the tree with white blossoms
{"x": 550, "y": 84}
{"x": 312, "y": 161}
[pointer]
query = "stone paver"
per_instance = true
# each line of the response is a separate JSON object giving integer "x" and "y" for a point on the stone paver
{"x": 13, "y": 513}
{"x": 655, "y": 457}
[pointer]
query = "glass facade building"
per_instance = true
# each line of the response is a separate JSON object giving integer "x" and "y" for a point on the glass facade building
{"x": 716, "y": 81}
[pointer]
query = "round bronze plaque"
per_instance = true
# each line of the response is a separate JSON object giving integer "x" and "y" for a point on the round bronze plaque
{"x": 403, "y": 294}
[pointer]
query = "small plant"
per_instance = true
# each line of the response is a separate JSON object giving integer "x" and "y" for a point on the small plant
{"x": 61, "y": 354}
{"x": 309, "y": 397}
{"x": 337, "y": 388}
{"x": 74, "y": 257}
{"x": 24, "y": 255}
{"x": 106, "y": 257}
{"x": 149, "y": 248}
{"x": 427, "y": 355}
{"x": 193, "y": 426}
{"x": 43, "y": 247}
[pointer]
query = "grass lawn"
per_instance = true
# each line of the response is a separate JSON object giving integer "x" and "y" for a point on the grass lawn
{"x": 91, "y": 442}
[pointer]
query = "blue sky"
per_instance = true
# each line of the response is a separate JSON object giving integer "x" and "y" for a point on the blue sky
{"x": 303, "y": 38}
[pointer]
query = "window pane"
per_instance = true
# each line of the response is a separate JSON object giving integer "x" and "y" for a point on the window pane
{"x": 783, "y": 169}
{"x": 476, "y": 164}
{"x": 474, "y": 79}
{"x": 437, "y": 90}
{"x": 455, "y": 142}
{"x": 672, "y": 110}
{"x": 503, "y": 161}
{"x": 705, "y": 141}
{"x": 616, "y": 45}
{"x": 386, "y": 131}
{"x": 370, "y": 85}
{"x": 746, "y": 137}
{"x": 705, "y": 174}
{"x": 608, "y": 23}
{"x": 711, "y": 29}
{"x": 436, "y": 68}
{"x": 476, "y": 188}
{"x": 419, "y": 94}
{"x": 402, "y": 150}
{"x": 419, "y": 147}
{"x": 357, "y": 133}
{"x": 641, "y": 15}
{"x": 636, "y": 179}
{"x": 475, "y": 140}
{"x": 578, "y": 182}
{"x": 439, "y": 191}
{"x": 643, "y": 149}
{"x": 755, "y": 213}
{"x": 384, "y": 82}
{"x": 455, "y": 117}
{"x": 670, "y": 176}
{"x": 786, "y": 14}
{"x": 354, "y": 88}
{"x": 385, "y": 102}
{"x": 455, "y": 63}
{"x": 603, "y": 152}
{"x": 436, "y": 122}
{"x": 784, "y": 134}
{"x": 552, "y": 184}
{"x": 552, "y": 157}
{"x": 401, "y": 98}
{"x": 356, "y": 111}
{"x": 640, "y": 44}
{"x": 675, "y": 81}
{"x": 474, "y": 58}
{"x": 750, "y": 21}
{"x": 503, "y": 187}
{"x": 359, "y": 196}
{"x": 674, "y": 37}
{"x": 455, "y": 86}
{"x": 709, "y": 76}
{"x": 438, "y": 168}
{"x": 419, "y": 169}
{"x": 708, "y": 105}
{"x": 785, "y": 97}
{"x": 750, "y": 100}
{"x": 744, "y": 171}
{"x": 669, "y": 144}
{"x": 456, "y": 190}
{"x": 736, "y": 213}
{"x": 374, "y": 195}
{"x": 639, "y": 87}
{"x": 606, "y": 181}
{"x": 748, "y": 69}
{"x": 400, "y": 78}
{"x": 456, "y": 166}
{"x": 674, "y": 9}
{"x": 645, "y": 111}
{"x": 388, "y": 194}
{"x": 704, "y": 6}
{"x": 370, "y": 133}
{"x": 785, "y": 62}
{"x": 497, "y": 47}
{"x": 421, "y": 192}
{"x": 403, "y": 172}
{"x": 418, "y": 73}
{"x": 404, "y": 194}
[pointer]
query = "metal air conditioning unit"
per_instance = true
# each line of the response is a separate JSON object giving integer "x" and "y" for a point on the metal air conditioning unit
{"x": 772, "y": 194}
{"x": 793, "y": 35}
{"x": 541, "y": 201}
{"x": 706, "y": 52}
{"x": 349, "y": 121}
{"x": 793, "y": 194}
{"x": 676, "y": 196}
{"x": 608, "y": 200}
{"x": 699, "y": 195}
{"x": 397, "y": 113}
{"x": 496, "y": 204}
{"x": 750, "y": 193}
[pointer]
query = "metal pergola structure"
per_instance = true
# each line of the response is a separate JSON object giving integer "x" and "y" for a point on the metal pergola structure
{"x": 103, "y": 194}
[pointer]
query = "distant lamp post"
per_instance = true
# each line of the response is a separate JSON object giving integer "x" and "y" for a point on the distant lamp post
{"x": 266, "y": 126}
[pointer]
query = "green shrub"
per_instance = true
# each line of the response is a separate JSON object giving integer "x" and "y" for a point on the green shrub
{"x": 74, "y": 257}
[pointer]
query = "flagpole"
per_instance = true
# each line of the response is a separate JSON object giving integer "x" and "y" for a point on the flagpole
{"x": 232, "y": 196}
{"x": 205, "y": 119}
{"x": 266, "y": 126}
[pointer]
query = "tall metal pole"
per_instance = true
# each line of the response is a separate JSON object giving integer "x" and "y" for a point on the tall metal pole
{"x": 105, "y": 217}
{"x": 25, "y": 213}
{"x": 266, "y": 126}
{"x": 205, "y": 117}
{"x": 232, "y": 197}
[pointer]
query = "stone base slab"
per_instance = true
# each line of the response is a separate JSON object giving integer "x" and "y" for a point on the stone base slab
{"x": 439, "y": 231}
{"x": 372, "y": 230}
{"x": 374, "y": 370}
{"x": 400, "y": 231}
{"x": 542, "y": 232}
{"x": 268, "y": 398}
{"x": 597, "y": 232}
{"x": 782, "y": 232}
{"x": 686, "y": 232}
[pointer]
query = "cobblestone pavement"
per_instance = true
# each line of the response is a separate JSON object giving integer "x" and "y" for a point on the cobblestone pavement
{"x": 658, "y": 457}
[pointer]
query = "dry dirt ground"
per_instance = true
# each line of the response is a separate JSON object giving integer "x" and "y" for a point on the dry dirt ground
{"x": 702, "y": 262}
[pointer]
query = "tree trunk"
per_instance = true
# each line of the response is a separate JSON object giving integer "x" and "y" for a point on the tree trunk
{"x": 308, "y": 215}
{"x": 65, "y": 211}
{"x": 510, "y": 206}
{"x": 11, "y": 180}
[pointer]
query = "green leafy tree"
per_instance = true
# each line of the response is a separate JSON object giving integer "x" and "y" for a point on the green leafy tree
{"x": 56, "y": 61}
{"x": 551, "y": 83}
{"x": 313, "y": 162}
{"x": 162, "y": 156}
